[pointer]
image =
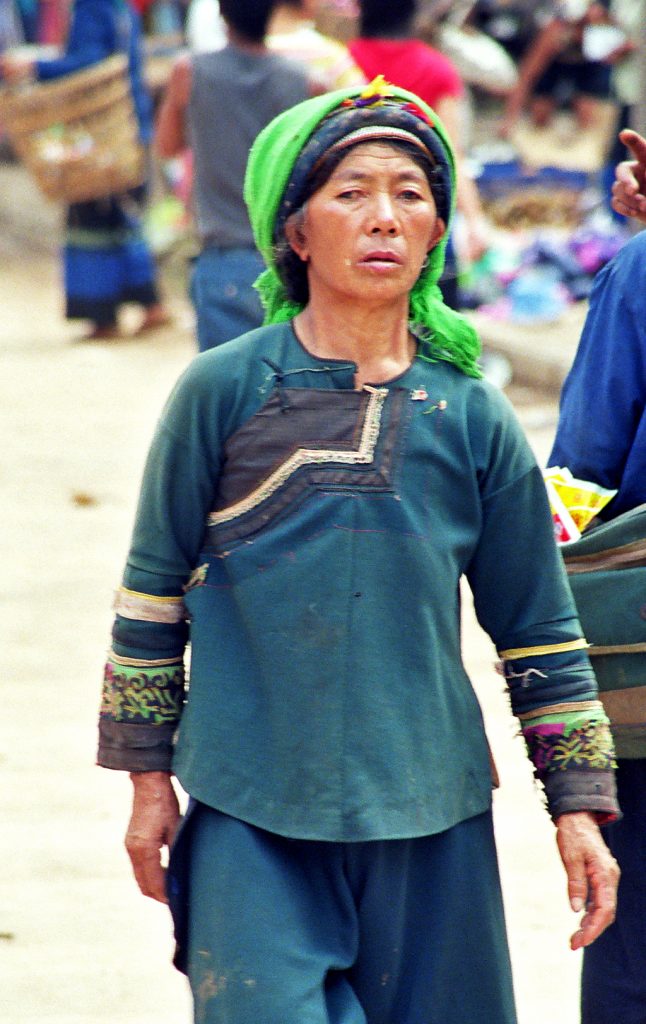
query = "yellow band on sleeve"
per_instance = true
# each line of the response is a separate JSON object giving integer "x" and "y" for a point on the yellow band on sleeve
{"x": 534, "y": 652}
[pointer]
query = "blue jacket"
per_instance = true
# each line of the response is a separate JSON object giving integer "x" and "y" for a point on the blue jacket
{"x": 601, "y": 433}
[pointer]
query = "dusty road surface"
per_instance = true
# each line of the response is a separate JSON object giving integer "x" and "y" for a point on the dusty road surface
{"x": 78, "y": 945}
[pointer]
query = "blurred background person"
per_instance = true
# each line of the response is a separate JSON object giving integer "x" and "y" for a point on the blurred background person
{"x": 512, "y": 24}
{"x": 293, "y": 33}
{"x": 215, "y": 104}
{"x": 482, "y": 62}
{"x": 387, "y": 45}
{"x": 107, "y": 261}
{"x": 557, "y": 69}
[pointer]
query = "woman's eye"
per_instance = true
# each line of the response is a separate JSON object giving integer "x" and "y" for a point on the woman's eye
{"x": 349, "y": 193}
{"x": 410, "y": 195}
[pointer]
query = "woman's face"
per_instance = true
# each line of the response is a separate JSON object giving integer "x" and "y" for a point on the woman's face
{"x": 366, "y": 232}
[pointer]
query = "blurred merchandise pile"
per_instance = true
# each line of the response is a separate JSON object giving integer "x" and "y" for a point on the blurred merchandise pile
{"x": 551, "y": 232}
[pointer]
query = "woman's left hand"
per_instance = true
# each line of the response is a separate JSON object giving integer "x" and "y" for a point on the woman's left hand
{"x": 592, "y": 873}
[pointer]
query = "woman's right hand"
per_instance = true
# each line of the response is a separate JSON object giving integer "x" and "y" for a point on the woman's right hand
{"x": 153, "y": 824}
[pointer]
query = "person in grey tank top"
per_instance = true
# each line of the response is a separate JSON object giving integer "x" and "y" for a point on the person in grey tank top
{"x": 216, "y": 103}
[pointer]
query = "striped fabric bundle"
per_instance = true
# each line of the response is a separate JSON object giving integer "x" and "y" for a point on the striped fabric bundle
{"x": 607, "y": 572}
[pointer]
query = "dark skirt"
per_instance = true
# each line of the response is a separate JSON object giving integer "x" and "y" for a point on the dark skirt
{"x": 106, "y": 259}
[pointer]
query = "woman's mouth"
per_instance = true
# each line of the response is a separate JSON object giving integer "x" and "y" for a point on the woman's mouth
{"x": 381, "y": 258}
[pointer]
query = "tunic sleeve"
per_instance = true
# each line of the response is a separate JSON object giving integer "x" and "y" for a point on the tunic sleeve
{"x": 523, "y": 600}
{"x": 144, "y": 680}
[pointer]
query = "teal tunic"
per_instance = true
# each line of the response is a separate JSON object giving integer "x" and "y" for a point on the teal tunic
{"x": 315, "y": 536}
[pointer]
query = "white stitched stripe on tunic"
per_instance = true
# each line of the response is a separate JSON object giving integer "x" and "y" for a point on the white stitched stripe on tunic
{"x": 562, "y": 709}
{"x": 148, "y": 607}
{"x": 118, "y": 659}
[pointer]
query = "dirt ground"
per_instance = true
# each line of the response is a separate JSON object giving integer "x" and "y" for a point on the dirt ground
{"x": 78, "y": 945}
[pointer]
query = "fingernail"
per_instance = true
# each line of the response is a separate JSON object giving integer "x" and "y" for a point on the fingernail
{"x": 577, "y": 904}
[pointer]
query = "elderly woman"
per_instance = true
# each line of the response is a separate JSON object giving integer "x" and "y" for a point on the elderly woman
{"x": 315, "y": 491}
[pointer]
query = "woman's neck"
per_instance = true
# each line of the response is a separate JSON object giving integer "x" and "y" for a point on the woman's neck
{"x": 377, "y": 340}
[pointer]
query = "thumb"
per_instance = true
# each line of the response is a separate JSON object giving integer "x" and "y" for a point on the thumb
{"x": 635, "y": 142}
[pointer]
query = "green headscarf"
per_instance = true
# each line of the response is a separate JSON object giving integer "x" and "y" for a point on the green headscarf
{"x": 444, "y": 334}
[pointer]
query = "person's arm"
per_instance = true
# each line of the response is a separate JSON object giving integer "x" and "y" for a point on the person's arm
{"x": 170, "y": 126}
{"x": 523, "y": 600}
{"x": 144, "y": 690}
{"x": 544, "y": 48}
{"x": 92, "y": 38}
{"x": 629, "y": 188}
{"x": 604, "y": 394}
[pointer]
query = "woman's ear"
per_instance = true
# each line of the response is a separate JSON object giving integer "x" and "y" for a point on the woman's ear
{"x": 295, "y": 235}
{"x": 438, "y": 232}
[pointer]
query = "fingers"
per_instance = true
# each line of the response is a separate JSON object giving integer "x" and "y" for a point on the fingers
{"x": 147, "y": 868}
{"x": 629, "y": 187}
{"x": 152, "y": 827}
{"x": 626, "y": 176}
{"x": 635, "y": 207}
{"x": 636, "y": 143}
{"x": 628, "y": 196}
{"x": 592, "y": 873}
{"x": 602, "y": 902}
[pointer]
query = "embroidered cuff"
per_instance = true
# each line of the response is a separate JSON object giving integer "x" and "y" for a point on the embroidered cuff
{"x": 135, "y": 748}
{"x": 572, "y": 736}
{"x": 144, "y": 693}
{"x": 573, "y": 754}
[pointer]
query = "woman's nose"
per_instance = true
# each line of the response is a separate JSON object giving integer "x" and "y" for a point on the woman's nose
{"x": 383, "y": 218}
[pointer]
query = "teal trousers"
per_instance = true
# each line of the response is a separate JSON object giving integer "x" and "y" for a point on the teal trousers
{"x": 284, "y": 931}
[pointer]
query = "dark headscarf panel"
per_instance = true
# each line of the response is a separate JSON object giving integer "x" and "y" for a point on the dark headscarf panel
{"x": 343, "y": 123}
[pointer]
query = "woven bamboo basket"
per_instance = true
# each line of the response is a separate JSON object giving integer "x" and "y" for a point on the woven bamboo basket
{"x": 77, "y": 135}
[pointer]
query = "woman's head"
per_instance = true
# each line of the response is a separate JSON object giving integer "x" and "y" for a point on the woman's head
{"x": 350, "y": 172}
{"x": 298, "y": 151}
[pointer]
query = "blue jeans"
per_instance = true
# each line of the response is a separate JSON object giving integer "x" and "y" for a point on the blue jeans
{"x": 226, "y": 303}
{"x": 613, "y": 987}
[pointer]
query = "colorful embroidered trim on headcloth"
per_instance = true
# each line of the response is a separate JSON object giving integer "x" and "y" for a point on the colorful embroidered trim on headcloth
{"x": 279, "y": 170}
